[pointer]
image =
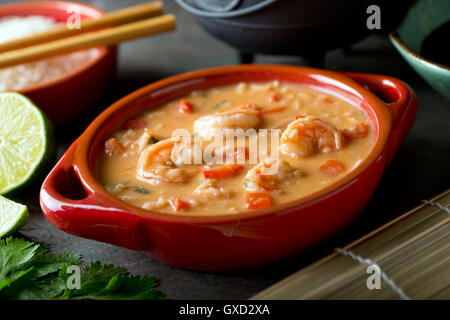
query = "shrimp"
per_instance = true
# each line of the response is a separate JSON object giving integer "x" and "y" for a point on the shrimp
{"x": 258, "y": 181}
{"x": 210, "y": 189}
{"x": 282, "y": 125}
{"x": 358, "y": 131}
{"x": 175, "y": 203}
{"x": 306, "y": 136}
{"x": 142, "y": 141}
{"x": 114, "y": 147}
{"x": 160, "y": 162}
{"x": 244, "y": 117}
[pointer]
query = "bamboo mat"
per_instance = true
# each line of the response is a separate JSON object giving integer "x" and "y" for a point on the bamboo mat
{"x": 412, "y": 253}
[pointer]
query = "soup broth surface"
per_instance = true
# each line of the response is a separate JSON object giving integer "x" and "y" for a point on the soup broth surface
{"x": 321, "y": 139}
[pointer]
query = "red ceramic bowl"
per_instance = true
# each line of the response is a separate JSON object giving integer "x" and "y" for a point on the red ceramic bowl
{"x": 73, "y": 199}
{"x": 69, "y": 95}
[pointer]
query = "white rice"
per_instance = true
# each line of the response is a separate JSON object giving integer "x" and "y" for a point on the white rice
{"x": 27, "y": 74}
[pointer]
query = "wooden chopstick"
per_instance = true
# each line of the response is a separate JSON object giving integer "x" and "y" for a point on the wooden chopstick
{"x": 111, "y": 19}
{"x": 110, "y": 36}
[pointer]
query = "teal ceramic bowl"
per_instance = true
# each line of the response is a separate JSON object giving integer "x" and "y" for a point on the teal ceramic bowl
{"x": 422, "y": 19}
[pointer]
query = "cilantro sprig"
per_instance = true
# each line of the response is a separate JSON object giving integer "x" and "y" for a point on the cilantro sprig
{"x": 29, "y": 271}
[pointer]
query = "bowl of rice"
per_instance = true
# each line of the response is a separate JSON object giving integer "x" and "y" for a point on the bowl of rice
{"x": 63, "y": 86}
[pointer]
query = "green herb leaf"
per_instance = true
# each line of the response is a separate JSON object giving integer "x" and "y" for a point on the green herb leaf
{"x": 51, "y": 287}
{"x": 26, "y": 262}
{"x": 106, "y": 282}
{"x": 45, "y": 262}
{"x": 218, "y": 105}
{"x": 153, "y": 140}
{"x": 29, "y": 271}
{"x": 94, "y": 279}
{"x": 141, "y": 190}
{"x": 15, "y": 259}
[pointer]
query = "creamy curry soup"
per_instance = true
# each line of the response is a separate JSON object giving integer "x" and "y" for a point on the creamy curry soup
{"x": 320, "y": 139}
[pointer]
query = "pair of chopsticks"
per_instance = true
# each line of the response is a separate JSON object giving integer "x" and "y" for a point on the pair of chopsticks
{"x": 115, "y": 27}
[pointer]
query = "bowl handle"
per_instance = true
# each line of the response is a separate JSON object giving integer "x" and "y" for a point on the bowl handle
{"x": 399, "y": 97}
{"x": 73, "y": 207}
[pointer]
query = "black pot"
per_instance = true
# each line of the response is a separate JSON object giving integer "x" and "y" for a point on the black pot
{"x": 307, "y": 28}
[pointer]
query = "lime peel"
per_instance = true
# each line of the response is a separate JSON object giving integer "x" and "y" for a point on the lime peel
{"x": 26, "y": 142}
{"x": 12, "y": 216}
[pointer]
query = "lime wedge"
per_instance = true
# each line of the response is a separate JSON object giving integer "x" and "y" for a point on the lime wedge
{"x": 12, "y": 216}
{"x": 26, "y": 142}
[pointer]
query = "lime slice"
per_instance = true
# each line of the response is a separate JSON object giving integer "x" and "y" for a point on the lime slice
{"x": 26, "y": 142}
{"x": 12, "y": 216}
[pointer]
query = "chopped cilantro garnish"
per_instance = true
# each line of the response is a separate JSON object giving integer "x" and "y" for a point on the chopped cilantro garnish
{"x": 141, "y": 190}
{"x": 153, "y": 140}
{"x": 218, "y": 105}
{"x": 28, "y": 271}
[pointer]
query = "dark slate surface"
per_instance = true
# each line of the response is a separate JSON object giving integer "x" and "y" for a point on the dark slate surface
{"x": 419, "y": 171}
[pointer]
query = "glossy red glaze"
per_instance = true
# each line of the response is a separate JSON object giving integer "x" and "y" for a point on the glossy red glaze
{"x": 71, "y": 94}
{"x": 228, "y": 241}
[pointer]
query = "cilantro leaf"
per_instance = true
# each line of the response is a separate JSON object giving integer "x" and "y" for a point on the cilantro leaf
{"x": 153, "y": 140}
{"x": 219, "y": 104}
{"x": 28, "y": 271}
{"x": 45, "y": 289}
{"x": 94, "y": 278}
{"x": 45, "y": 262}
{"x": 139, "y": 288}
{"x": 107, "y": 282}
{"x": 15, "y": 257}
{"x": 141, "y": 190}
{"x": 126, "y": 287}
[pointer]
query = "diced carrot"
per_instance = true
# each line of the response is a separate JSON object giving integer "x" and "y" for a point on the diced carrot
{"x": 355, "y": 132}
{"x": 275, "y": 97}
{"x": 222, "y": 172}
{"x": 332, "y": 168}
{"x": 113, "y": 147}
{"x": 178, "y": 204}
{"x": 267, "y": 181}
{"x": 134, "y": 123}
{"x": 325, "y": 99}
{"x": 185, "y": 106}
{"x": 272, "y": 110}
{"x": 258, "y": 200}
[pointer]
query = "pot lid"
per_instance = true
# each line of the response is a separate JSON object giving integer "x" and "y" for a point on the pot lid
{"x": 223, "y": 8}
